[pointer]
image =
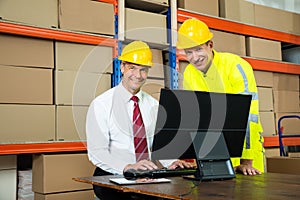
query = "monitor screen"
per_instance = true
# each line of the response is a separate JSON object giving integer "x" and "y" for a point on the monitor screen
{"x": 182, "y": 112}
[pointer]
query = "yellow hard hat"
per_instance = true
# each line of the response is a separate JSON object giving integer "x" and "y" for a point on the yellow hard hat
{"x": 193, "y": 32}
{"x": 137, "y": 52}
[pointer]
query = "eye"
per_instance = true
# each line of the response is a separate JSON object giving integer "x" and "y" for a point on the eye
{"x": 144, "y": 70}
{"x": 131, "y": 67}
{"x": 188, "y": 52}
{"x": 199, "y": 49}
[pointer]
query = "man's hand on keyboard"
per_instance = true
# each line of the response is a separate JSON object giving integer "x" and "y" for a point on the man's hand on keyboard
{"x": 182, "y": 164}
{"x": 141, "y": 165}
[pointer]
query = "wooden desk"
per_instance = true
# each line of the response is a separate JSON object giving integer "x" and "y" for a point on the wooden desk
{"x": 265, "y": 186}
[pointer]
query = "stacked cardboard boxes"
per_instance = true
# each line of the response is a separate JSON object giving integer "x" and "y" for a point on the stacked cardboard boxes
{"x": 286, "y": 101}
{"x": 82, "y": 73}
{"x": 264, "y": 81}
{"x": 26, "y": 101}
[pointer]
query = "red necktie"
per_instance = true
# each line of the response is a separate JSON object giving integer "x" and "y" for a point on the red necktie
{"x": 140, "y": 141}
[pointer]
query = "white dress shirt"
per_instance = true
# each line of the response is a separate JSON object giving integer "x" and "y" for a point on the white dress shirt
{"x": 109, "y": 128}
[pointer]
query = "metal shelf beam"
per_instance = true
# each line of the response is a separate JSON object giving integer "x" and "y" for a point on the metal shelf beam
{"x": 6, "y": 149}
{"x": 55, "y": 34}
{"x": 273, "y": 141}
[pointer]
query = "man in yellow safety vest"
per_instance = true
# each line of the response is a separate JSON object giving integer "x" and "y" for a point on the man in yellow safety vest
{"x": 212, "y": 71}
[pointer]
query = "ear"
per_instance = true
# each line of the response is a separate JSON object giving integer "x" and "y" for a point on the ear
{"x": 211, "y": 44}
{"x": 122, "y": 67}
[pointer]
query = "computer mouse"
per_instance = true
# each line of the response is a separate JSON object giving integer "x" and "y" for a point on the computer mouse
{"x": 130, "y": 174}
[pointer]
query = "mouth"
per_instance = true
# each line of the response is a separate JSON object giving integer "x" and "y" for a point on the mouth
{"x": 137, "y": 81}
{"x": 199, "y": 61}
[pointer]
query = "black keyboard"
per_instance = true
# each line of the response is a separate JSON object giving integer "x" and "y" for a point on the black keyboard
{"x": 132, "y": 174}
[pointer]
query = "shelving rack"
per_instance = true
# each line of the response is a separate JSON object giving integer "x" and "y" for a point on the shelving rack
{"x": 58, "y": 35}
{"x": 213, "y": 22}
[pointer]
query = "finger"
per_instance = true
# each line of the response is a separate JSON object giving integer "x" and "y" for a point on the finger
{"x": 188, "y": 165}
{"x": 149, "y": 165}
{"x": 180, "y": 164}
{"x": 244, "y": 170}
{"x": 257, "y": 171}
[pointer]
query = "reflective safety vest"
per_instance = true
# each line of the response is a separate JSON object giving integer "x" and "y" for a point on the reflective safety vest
{"x": 230, "y": 73}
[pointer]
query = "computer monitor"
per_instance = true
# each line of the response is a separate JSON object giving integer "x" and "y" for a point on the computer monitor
{"x": 186, "y": 118}
{"x": 182, "y": 111}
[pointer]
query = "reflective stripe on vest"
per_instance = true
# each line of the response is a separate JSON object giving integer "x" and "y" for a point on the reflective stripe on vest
{"x": 252, "y": 117}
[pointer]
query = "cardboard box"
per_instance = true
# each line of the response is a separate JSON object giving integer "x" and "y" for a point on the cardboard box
{"x": 267, "y": 17}
{"x": 26, "y": 51}
{"x": 201, "y": 6}
{"x": 263, "y": 78}
{"x": 267, "y": 120}
{"x": 70, "y": 123}
{"x": 153, "y": 87}
{"x": 262, "y": 48}
{"x": 265, "y": 97}
{"x": 294, "y": 154}
{"x": 286, "y": 101}
{"x": 283, "y": 165}
{"x": 83, "y": 57}
{"x": 79, "y": 88}
{"x": 26, "y": 85}
{"x": 229, "y": 42}
{"x": 53, "y": 173}
{"x": 237, "y": 10}
{"x": 272, "y": 152}
{"x": 8, "y": 162}
{"x": 87, "y": 16}
{"x": 77, "y": 195}
{"x": 291, "y": 126}
{"x": 145, "y": 26}
{"x": 157, "y": 70}
{"x": 288, "y": 82}
{"x": 33, "y": 12}
{"x": 296, "y": 23}
{"x": 8, "y": 184}
{"x": 27, "y": 123}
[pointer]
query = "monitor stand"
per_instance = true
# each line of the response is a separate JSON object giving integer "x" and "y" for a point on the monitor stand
{"x": 212, "y": 156}
{"x": 214, "y": 169}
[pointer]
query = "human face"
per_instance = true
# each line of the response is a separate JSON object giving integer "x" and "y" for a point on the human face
{"x": 134, "y": 76}
{"x": 200, "y": 56}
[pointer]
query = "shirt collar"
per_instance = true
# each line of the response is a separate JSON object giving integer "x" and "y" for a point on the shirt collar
{"x": 212, "y": 69}
{"x": 125, "y": 95}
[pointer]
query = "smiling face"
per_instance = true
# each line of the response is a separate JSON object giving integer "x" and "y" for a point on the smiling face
{"x": 134, "y": 76}
{"x": 200, "y": 56}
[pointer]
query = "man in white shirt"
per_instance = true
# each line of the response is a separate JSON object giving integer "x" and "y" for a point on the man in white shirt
{"x": 109, "y": 126}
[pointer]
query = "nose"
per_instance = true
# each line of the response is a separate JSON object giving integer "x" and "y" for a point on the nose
{"x": 194, "y": 56}
{"x": 137, "y": 73}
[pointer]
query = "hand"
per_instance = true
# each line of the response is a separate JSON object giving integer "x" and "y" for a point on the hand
{"x": 141, "y": 165}
{"x": 246, "y": 168}
{"x": 182, "y": 164}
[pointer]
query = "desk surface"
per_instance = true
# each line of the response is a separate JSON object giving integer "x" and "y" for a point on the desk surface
{"x": 265, "y": 186}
